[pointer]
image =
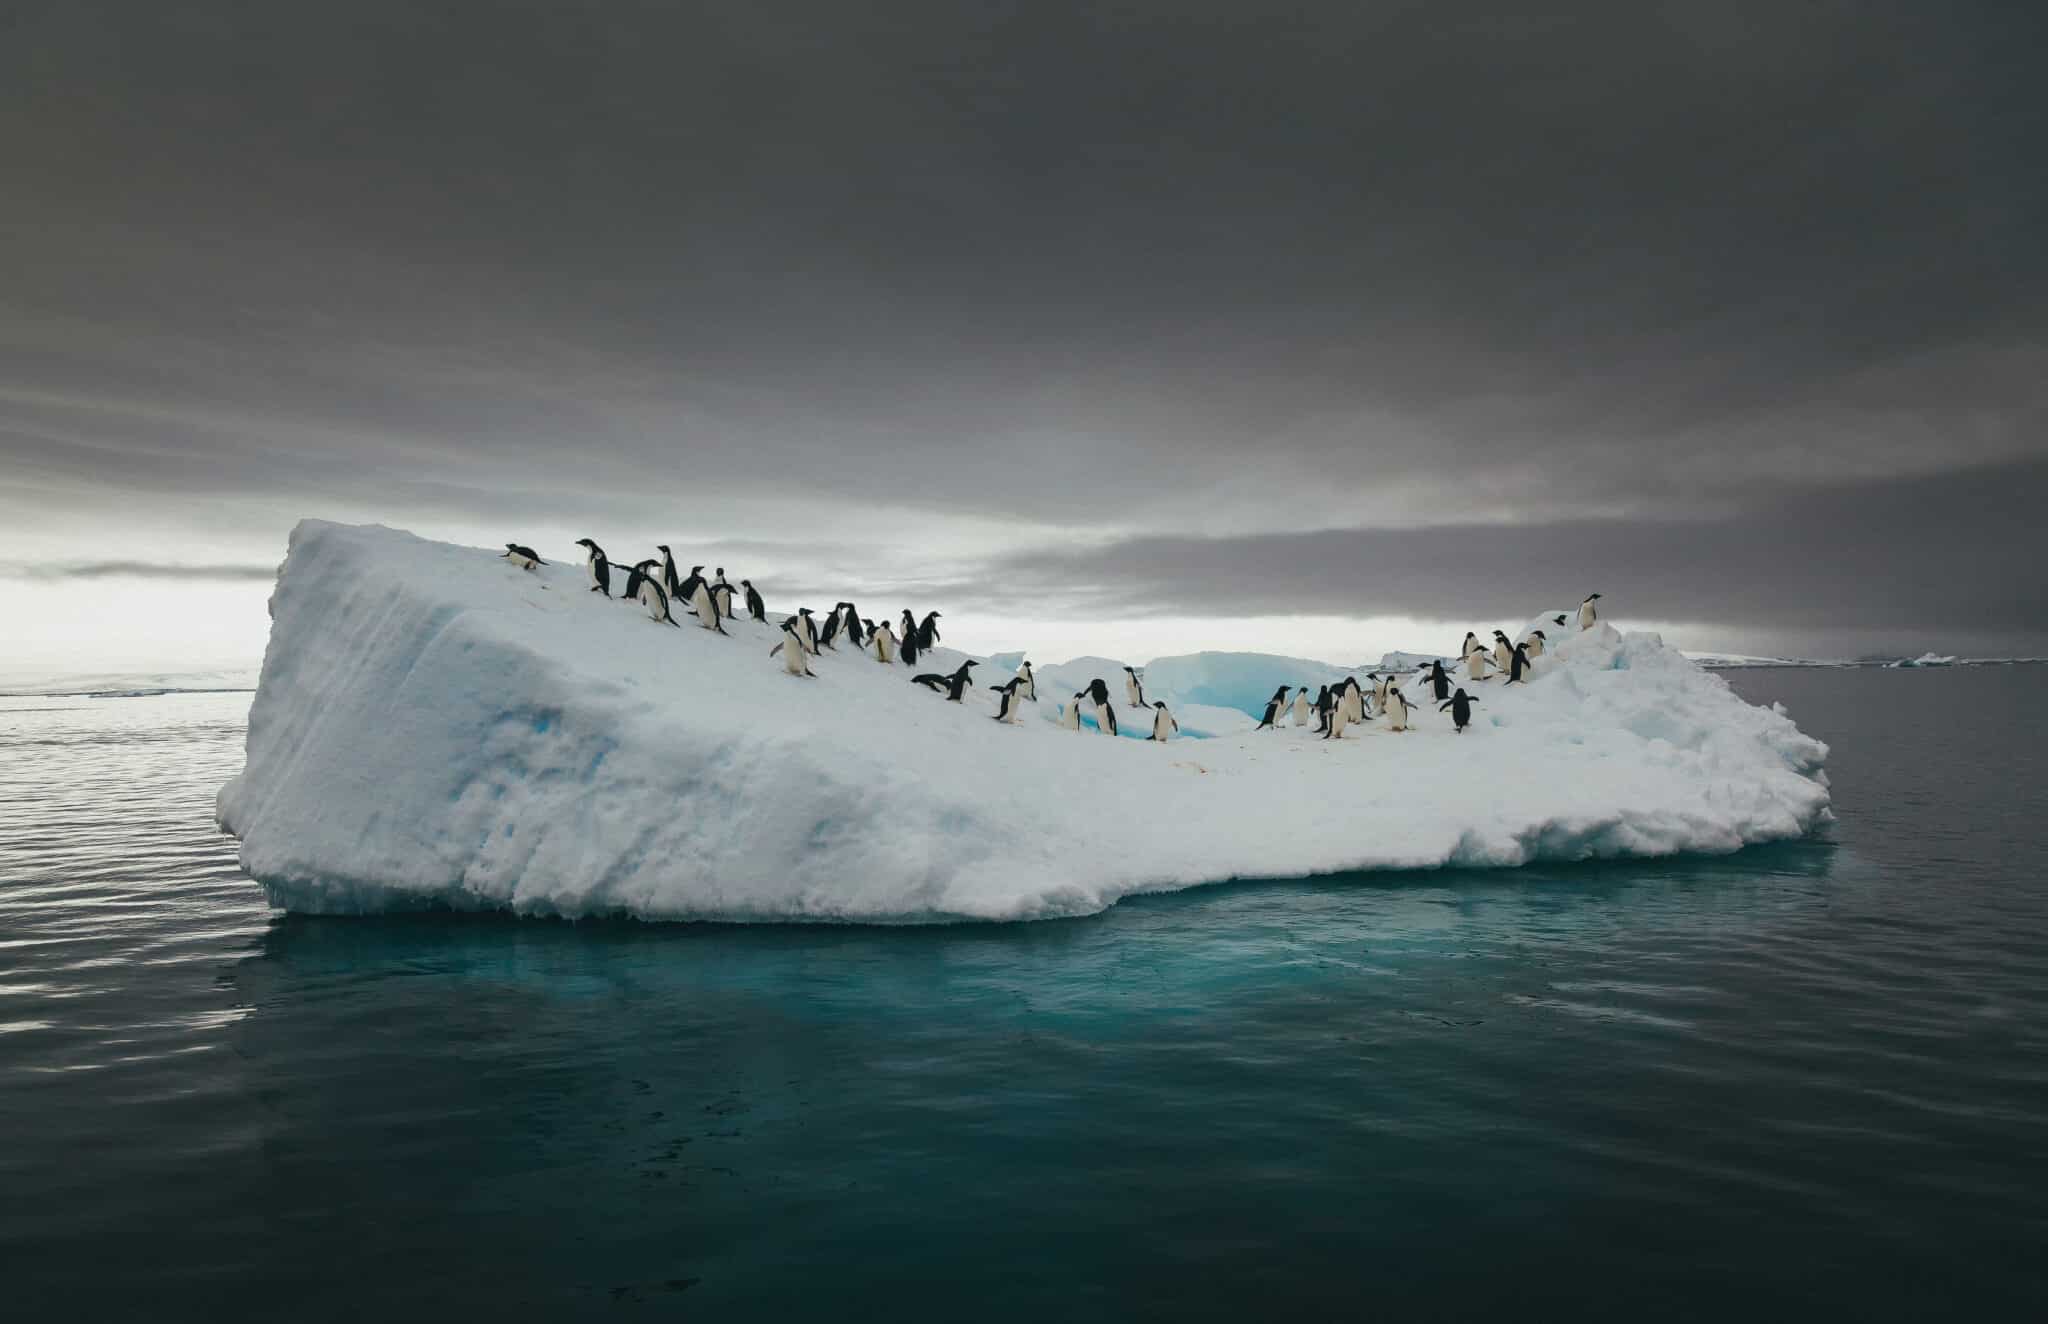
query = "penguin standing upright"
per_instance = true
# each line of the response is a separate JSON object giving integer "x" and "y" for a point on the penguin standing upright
{"x": 794, "y": 660}
{"x": 906, "y": 647}
{"x": 1340, "y": 717}
{"x": 1301, "y": 706}
{"x": 1460, "y": 705}
{"x": 599, "y": 569}
{"x": 1397, "y": 709}
{"x": 853, "y": 624}
{"x": 1535, "y": 643}
{"x": 721, "y": 593}
{"x": 1134, "y": 687}
{"x": 755, "y": 607}
{"x": 1164, "y": 728}
{"x": 1518, "y": 664}
{"x": 1027, "y": 684}
{"x": 655, "y": 598}
{"x": 829, "y": 631}
{"x": 909, "y": 631}
{"x": 698, "y": 594}
{"x": 807, "y": 630}
{"x": 1438, "y": 680}
{"x": 1105, "y": 712}
{"x": 634, "y": 575}
{"x": 1070, "y": 714}
{"x": 1322, "y": 709}
{"x": 1274, "y": 707}
{"x": 523, "y": 557}
{"x": 1502, "y": 650}
{"x": 928, "y": 632}
{"x": 669, "y": 579}
{"x": 884, "y": 643}
{"x": 1011, "y": 705}
{"x": 1476, "y": 659}
{"x": 1588, "y": 613}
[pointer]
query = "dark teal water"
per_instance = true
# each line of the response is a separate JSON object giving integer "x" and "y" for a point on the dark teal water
{"x": 1807, "y": 1078}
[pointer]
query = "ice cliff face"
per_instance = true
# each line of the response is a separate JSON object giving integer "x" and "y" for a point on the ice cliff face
{"x": 436, "y": 727}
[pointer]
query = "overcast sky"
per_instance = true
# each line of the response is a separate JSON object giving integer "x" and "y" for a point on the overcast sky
{"x": 1130, "y": 328}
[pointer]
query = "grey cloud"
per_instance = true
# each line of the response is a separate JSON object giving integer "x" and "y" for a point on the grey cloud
{"x": 62, "y": 570}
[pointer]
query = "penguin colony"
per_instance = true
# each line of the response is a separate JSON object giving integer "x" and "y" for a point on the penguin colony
{"x": 654, "y": 586}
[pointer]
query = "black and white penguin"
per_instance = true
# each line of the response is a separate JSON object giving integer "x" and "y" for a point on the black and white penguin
{"x": 1134, "y": 687}
{"x": 1502, "y": 650}
{"x": 908, "y": 633}
{"x": 907, "y": 649}
{"x": 1105, "y": 712}
{"x": 686, "y": 590}
{"x": 1070, "y": 714}
{"x": 1397, "y": 709}
{"x": 1559, "y": 620}
{"x": 655, "y": 598}
{"x": 807, "y": 630}
{"x": 1438, "y": 680}
{"x": 634, "y": 575}
{"x": 1353, "y": 700}
{"x": 931, "y": 680}
{"x": 794, "y": 660}
{"x": 698, "y": 594}
{"x": 1536, "y": 642}
{"x": 523, "y": 557}
{"x": 1340, "y": 710}
{"x": 721, "y": 593}
{"x": 669, "y": 579}
{"x": 883, "y": 642}
{"x": 928, "y": 632}
{"x": 1027, "y": 684}
{"x": 600, "y": 570}
{"x": 1589, "y": 615}
{"x": 1301, "y": 706}
{"x": 956, "y": 684}
{"x": 1322, "y": 708}
{"x": 1476, "y": 658}
{"x": 755, "y": 607}
{"x": 854, "y": 630}
{"x": 1460, "y": 705}
{"x": 1274, "y": 707}
{"x": 1011, "y": 705}
{"x": 1164, "y": 728}
{"x": 1518, "y": 664}
{"x": 829, "y": 631}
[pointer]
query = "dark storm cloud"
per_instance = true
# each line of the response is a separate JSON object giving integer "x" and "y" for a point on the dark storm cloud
{"x": 1396, "y": 263}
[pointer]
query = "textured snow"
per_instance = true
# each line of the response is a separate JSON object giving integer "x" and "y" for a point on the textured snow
{"x": 436, "y": 727}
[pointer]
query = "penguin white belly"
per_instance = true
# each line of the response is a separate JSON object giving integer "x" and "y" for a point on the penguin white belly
{"x": 1475, "y": 665}
{"x": 1131, "y": 693}
{"x": 590, "y": 569}
{"x": 1534, "y": 648}
{"x": 1027, "y": 690}
{"x": 885, "y": 648}
{"x": 1337, "y": 720}
{"x": 1587, "y": 615}
{"x": 1397, "y": 712}
{"x": 1354, "y": 706}
{"x": 792, "y": 657}
{"x": 1502, "y": 655}
{"x": 1070, "y": 715}
{"x": 1301, "y": 710}
{"x": 523, "y": 562}
{"x": 701, "y": 603}
{"x": 1162, "y": 725}
{"x": 650, "y": 598}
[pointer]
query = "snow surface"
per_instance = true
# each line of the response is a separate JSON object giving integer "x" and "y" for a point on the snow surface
{"x": 436, "y": 727}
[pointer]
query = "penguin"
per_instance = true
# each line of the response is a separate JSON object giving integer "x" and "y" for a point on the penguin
{"x": 1301, "y": 706}
{"x": 1502, "y": 650}
{"x": 701, "y": 601}
{"x": 600, "y": 569}
{"x": 1397, "y": 709}
{"x": 669, "y": 579}
{"x": 1535, "y": 643}
{"x": 1518, "y": 665}
{"x": 884, "y": 643}
{"x": 1134, "y": 687}
{"x": 794, "y": 660}
{"x": 956, "y": 684}
{"x": 1339, "y": 715}
{"x": 909, "y": 631}
{"x": 634, "y": 575}
{"x": 1471, "y": 642}
{"x": 1353, "y": 701}
{"x": 807, "y": 630}
{"x": 1164, "y": 728}
{"x": 906, "y": 647}
{"x": 755, "y": 607}
{"x": 655, "y": 599}
{"x": 1559, "y": 620}
{"x": 1070, "y": 714}
{"x": 831, "y": 631}
{"x": 523, "y": 557}
{"x": 928, "y": 631}
{"x": 931, "y": 680}
{"x": 721, "y": 593}
{"x": 1477, "y": 659}
{"x": 1011, "y": 705}
{"x": 1589, "y": 615}
{"x": 1105, "y": 712}
{"x": 1274, "y": 707}
{"x": 1027, "y": 684}
{"x": 686, "y": 590}
{"x": 1322, "y": 708}
{"x": 1438, "y": 680}
{"x": 853, "y": 624}
{"x": 1460, "y": 705}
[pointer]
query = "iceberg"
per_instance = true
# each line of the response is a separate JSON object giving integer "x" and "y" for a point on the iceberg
{"x": 434, "y": 727}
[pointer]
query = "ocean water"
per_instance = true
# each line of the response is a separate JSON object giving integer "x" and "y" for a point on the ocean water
{"x": 1809, "y": 1078}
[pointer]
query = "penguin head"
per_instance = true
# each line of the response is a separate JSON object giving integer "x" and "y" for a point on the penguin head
{"x": 661, "y": 547}
{"x": 720, "y": 569}
{"x": 1559, "y": 620}
{"x": 746, "y": 583}
{"x": 1159, "y": 703}
{"x": 695, "y": 568}
{"x": 803, "y": 611}
{"x": 1591, "y": 596}
{"x": 1537, "y": 634}
{"x": 585, "y": 542}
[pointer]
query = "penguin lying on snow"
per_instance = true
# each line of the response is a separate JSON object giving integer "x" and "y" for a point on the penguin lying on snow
{"x": 523, "y": 557}
{"x": 952, "y": 686}
{"x": 1460, "y": 705}
{"x": 794, "y": 660}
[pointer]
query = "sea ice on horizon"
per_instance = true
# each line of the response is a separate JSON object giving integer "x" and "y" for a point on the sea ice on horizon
{"x": 435, "y": 727}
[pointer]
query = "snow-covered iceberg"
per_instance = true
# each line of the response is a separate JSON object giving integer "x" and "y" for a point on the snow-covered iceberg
{"x": 434, "y": 726}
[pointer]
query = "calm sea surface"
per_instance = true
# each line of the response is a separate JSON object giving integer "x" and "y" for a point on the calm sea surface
{"x": 1807, "y": 1078}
